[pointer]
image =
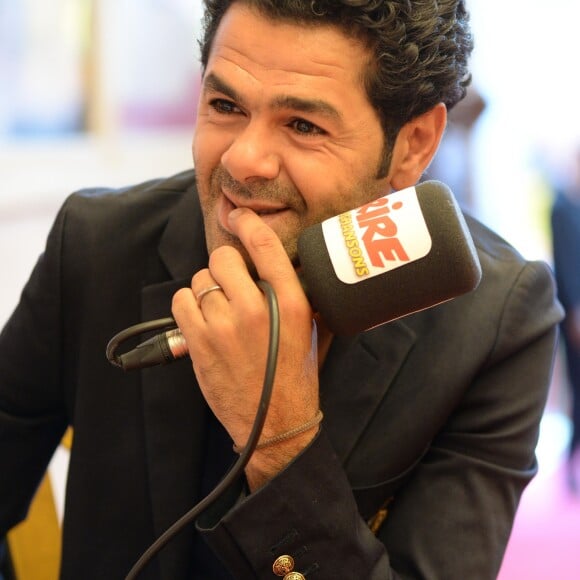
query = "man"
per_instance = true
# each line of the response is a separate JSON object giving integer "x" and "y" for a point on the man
{"x": 430, "y": 422}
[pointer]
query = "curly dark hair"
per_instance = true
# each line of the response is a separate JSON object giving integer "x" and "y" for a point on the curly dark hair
{"x": 420, "y": 48}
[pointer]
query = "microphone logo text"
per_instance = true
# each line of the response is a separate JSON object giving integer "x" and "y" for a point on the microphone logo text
{"x": 380, "y": 231}
{"x": 377, "y": 237}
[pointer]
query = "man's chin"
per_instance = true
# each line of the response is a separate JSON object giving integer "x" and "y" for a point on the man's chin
{"x": 225, "y": 238}
{"x": 233, "y": 242}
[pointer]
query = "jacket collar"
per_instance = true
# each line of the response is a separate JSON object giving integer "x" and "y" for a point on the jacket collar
{"x": 182, "y": 247}
{"x": 174, "y": 411}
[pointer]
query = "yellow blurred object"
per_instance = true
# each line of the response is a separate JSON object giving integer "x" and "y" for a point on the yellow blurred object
{"x": 67, "y": 439}
{"x": 35, "y": 544}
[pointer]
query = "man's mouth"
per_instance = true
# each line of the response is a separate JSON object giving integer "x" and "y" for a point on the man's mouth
{"x": 266, "y": 210}
{"x": 259, "y": 207}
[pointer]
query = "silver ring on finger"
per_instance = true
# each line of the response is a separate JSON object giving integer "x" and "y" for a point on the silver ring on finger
{"x": 202, "y": 293}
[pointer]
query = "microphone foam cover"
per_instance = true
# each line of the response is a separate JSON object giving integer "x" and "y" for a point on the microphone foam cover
{"x": 449, "y": 268}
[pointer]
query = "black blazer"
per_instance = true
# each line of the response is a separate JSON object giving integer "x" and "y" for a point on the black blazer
{"x": 439, "y": 411}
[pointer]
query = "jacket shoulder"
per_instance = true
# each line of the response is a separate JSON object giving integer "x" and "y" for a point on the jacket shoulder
{"x": 159, "y": 192}
{"x": 491, "y": 244}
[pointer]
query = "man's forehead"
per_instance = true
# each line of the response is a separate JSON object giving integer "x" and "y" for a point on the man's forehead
{"x": 279, "y": 44}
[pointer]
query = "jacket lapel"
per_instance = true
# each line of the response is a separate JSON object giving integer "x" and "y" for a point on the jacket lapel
{"x": 356, "y": 376}
{"x": 173, "y": 407}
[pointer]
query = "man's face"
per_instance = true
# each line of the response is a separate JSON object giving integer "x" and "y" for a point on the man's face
{"x": 284, "y": 127}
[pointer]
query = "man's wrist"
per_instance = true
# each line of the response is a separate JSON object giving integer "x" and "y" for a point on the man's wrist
{"x": 286, "y": 435}
{"x": 268, "y": 462}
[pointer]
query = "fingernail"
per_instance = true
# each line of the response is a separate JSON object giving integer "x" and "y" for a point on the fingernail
{"x": 235, "y": 214}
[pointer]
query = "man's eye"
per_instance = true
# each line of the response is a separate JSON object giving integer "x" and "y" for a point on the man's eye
{"x": 223, "y": 106}
{"x": 306, "y": 127}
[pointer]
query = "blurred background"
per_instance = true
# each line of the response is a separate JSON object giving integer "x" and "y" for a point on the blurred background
{"x": 103, "y": 93}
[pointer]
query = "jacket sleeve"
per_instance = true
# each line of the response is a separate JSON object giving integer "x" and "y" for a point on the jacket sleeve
{"x": 32, "y": 409}
{"x": 452, "y": 517}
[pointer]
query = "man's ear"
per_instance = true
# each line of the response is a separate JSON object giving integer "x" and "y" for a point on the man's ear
{"x": 416, "y": 145}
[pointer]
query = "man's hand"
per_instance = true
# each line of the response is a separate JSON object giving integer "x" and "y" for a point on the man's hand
{"x": 227, "y": 336}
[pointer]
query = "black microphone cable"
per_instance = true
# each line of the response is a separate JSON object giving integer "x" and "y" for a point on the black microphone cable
{"x": 260, "y": 418}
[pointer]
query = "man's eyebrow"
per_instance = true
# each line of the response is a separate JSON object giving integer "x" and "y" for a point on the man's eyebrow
{"x": 317, "y": 106}
{"x": 213, "y": 82}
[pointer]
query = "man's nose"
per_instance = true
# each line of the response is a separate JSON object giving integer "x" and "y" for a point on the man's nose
{"x": 252, "y": 154}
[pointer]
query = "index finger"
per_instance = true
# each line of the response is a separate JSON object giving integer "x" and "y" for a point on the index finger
{"x": 265, "y": 250}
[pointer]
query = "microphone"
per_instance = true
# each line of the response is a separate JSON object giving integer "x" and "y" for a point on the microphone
{"x": 405, "y": 252}
{"x": 402, "y": 253}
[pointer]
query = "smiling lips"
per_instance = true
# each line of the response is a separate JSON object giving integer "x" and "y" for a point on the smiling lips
{"x": 263, "y": 209}
{"x": 258, "y": 206}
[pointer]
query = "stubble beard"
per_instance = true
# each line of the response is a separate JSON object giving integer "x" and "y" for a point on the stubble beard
{"x": 210, "y": 197}
{"x": 216, "y": 235}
